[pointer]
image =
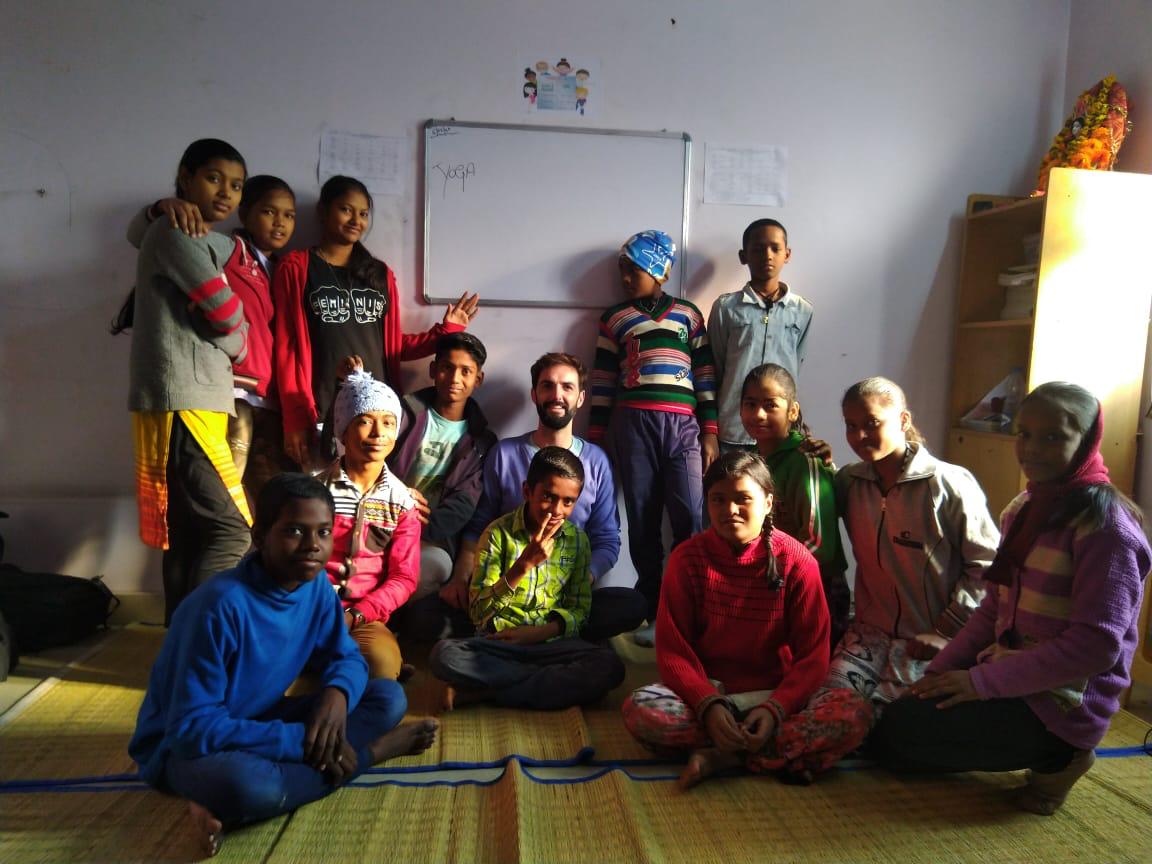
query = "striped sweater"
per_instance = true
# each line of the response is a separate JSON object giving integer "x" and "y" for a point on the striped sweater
{"x": 189, "y": 325}
{"x": 658, "y": 360}
{"x": 376, "y": 538}
{"x": 1074, "y": 607}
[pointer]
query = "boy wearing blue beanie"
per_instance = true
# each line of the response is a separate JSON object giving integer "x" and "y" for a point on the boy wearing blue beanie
{"x": 654, "y": 377}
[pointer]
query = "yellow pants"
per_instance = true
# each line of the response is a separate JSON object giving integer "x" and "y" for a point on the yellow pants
{"x": 378, "y": 646}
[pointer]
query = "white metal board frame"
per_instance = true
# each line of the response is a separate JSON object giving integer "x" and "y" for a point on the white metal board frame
{"x": 530, "y": 215}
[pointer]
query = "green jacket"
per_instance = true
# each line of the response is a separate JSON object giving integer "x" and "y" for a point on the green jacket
{"x": 805, "y": 502}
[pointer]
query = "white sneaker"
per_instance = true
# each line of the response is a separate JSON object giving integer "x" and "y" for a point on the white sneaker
{"x": 645, "y": 636}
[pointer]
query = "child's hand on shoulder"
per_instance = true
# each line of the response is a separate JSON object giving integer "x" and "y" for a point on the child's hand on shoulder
{"x": 822, "y": 450}
{"x": 180, "y": 214}
{"x": 423, "y": 510}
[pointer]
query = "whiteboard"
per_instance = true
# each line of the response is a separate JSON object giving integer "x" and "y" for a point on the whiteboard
{"x": 536, "y": 215}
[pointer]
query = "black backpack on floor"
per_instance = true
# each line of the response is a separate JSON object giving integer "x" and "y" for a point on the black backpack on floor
{"x": 46, "y": 610}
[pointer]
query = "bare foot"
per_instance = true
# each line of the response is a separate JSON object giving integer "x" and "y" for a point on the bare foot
{"x": 705, "y": 762}
{"x": 207, "y": 828}
{"x": 1045, "y": 793}
{"x": 458, "y": 697}
{"x": 406, "y": 740}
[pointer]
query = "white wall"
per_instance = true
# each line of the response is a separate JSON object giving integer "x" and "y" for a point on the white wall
{"x": 893, "y": 112}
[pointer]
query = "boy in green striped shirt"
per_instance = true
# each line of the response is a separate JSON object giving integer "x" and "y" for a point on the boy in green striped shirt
{"x": 531, "y": 592}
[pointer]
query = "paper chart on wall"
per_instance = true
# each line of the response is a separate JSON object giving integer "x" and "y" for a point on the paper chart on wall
{"x": 569, "y": 84}
{"x": 757, "y": 178}
{"x": 374, "y": 160}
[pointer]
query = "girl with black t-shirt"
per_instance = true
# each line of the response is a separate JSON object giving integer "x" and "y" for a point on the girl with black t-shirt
{"x": 336, "y": 300}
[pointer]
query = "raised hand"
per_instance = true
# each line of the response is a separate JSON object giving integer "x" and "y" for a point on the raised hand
{"x": 539, "y": 548}
{"x": 463, "y": 310}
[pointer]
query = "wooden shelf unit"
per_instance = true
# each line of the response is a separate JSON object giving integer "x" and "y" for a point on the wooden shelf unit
{"x": 1090, "y": 324}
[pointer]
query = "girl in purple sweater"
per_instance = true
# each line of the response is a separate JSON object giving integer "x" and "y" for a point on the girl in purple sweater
{"x": 1035, "y": 675}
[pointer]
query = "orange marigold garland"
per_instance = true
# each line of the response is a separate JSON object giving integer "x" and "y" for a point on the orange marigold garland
{"x": 1092, "y": 136}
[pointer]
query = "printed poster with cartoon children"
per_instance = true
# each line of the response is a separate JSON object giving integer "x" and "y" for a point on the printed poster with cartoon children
{"x": 565, "y": 85}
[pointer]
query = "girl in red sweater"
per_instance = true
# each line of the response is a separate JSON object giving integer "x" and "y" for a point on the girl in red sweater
{"x": 741, "y": 633}
{"x": 333, "y": 301}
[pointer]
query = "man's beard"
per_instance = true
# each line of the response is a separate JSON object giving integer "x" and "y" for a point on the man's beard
{"x": 553, "y": 421}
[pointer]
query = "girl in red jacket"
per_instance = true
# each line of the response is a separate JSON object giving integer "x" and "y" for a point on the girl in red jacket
{"x": 333, "y": 301}
{"x": 741, "y": 633}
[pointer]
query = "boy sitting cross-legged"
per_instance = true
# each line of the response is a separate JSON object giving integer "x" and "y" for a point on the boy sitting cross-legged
{"x": 530, "y": 594}
{"x": 215, "y": 726}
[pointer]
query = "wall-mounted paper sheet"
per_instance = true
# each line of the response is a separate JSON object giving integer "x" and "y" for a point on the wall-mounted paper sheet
{"x": 757, "y": 178}
{"x": 374, "y": 160}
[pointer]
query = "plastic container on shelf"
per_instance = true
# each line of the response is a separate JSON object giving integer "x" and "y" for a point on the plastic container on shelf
{"x": 1019, "y": 284}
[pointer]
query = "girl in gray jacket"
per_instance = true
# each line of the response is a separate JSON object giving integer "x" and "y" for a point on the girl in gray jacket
{"x": 922, "y": 537}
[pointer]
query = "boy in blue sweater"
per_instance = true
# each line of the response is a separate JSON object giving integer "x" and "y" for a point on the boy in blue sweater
{"x": 215, "y": 726}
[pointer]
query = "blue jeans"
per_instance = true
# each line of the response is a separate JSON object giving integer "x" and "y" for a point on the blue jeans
{"x": 546, "y": 676}
{"x": 239, "y": 787}
{"x": 658, "y": 462}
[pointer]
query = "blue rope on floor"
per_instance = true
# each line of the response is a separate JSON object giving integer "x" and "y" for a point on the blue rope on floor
{"x": 584, "y": 758}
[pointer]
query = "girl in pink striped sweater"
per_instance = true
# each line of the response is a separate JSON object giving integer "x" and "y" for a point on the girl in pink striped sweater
{"x": 1033, "y": 678}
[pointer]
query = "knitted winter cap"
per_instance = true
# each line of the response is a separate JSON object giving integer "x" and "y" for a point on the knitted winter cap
{"x": 359, "y": 394}
{"x": 651, "y": 251}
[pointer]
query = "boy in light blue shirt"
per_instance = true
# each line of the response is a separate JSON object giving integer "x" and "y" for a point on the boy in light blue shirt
{"x": 763, "y": 322}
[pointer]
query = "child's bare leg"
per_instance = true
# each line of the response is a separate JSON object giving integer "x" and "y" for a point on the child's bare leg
{"x": 405, "y": 740}
{"x": 206, "y": 827}
{"x": 705, "y": 762}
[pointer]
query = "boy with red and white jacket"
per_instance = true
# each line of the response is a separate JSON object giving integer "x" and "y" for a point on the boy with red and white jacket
{"x": 375, "y": 563}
